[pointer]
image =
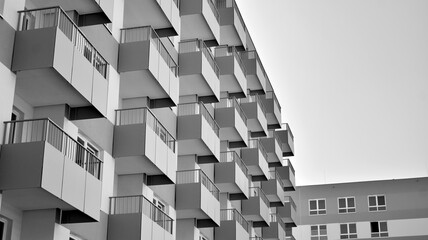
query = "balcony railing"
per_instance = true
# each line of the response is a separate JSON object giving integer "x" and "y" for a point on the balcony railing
{"x": 256, "y": 238}
{"x": 140, "y": 204}
{"x": 223, "y": 51}
{"x": 253, "y": 55}
{"x": 44, "y": 130}
{"x": 232, "y": 102}
{"x": 275, "y": 175}
{"x": 196, "y": 45}
{"x": 197, "y": 176}
{"x": 255, "y": 143}
{"x": 272, "y": 95}
{"x": 56, "y": 17}
{"x": 145, "y": 116}
{"x": 196, "y": 109}
{"x": 291, "y": 201}
{"x": 234, "y": 215}
{"x": 274, "y": 217}
{"x": 256, "y": 99}
{"x": 289, "y": 131}
{"x": 258, "y": 192}
{"x": 287, "y": 162}
{"x": 213, "y": 6}
{"x": 147, "y": 33}
{"x": 234, "y": 157}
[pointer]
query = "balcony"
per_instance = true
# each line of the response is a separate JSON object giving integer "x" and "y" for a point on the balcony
{"x": 233, "y": 78}
{"x": 256, "y": 115}
{"x": 287, "y": 141}
{"x": 272, "y": 145}
{"x": 41, "y": 167}
{"x": 200, "y": 19}
{"x": 256, "y": 208}
{"x": 232, "y": 122}
{"x": 199, "y": 73}
{"x": 256, "y": 74}
{"x": 146, "y": 68}
{"x": 233, "y": 226}
{"x": 273, "y": 188}
{"x": 233, "y": 31}
{"x": 56, "y": 64}
{"x": 273, "y": 110}
{"x": 276, "y": 230}
{"x": 287, "y": 175}
{"x": 90, "y": 12}
{"x": 197, "y": 197}
{"x": 255, "y": 158}
{"x": 231, "y": 176}
{"x": 143, "y": 145}
{"x": 198, "y": 133}
{"x": 162, "y": 15}
{"x": 288, "y": 212}
{"x": 136, "y": 218}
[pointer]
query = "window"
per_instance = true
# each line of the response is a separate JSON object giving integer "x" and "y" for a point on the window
{"x": 377, "y": 203}
{"x": 346, "y": 204}
{"x": 348, "y": 230}
{"x": 317, "y": 207}
{"x": 319, "y": 232}
{"x": 379, "y": 229}
{"x": 4, "y": 226}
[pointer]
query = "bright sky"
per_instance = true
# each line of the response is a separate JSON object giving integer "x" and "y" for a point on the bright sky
{"x": 352, "y": 80}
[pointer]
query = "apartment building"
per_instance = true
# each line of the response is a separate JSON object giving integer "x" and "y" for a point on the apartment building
{"x": 130, "y": 119}
{"x": 388, "y": 209}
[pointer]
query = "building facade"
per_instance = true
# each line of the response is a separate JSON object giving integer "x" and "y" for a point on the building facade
{"x": 130, "y": 119}
{"x": 387, "y": 209}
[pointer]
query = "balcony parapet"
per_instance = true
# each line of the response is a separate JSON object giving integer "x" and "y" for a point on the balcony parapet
{"x": 232, "y": 102}
{"x": 198, "y": 176}
{"x": 196, "y": 45}
{"x": 234, "y": 215}
{"x": 188, "y": 109}
{"x": 232, "y": 156}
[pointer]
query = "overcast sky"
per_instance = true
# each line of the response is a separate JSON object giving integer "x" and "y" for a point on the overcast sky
{"x": 352, "y": 80}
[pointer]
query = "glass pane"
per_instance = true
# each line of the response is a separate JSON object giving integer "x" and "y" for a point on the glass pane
{"x": 342, "y": 203}
{"x": 351, "y": 210}
{"x": 312, "y": 212}
{"x": 322, "y": 212}
{"x": 353, "y": 236}
{"x": 314, "y": 232}
{"x": 323, "y": 238}
{"x": 342, "y": 210}
{"x": 351, "y": 202}
{"x": 381, "y": 200}
{"x": 343, "y": 228}
{"x": 383, "y": 227}
{"x": 323, "y": 227}
{"x": 314, "y": 238}
{"x": 343, "y": 236}
{"x": 372, "y": 201}
{"x": 323, "y": 231}
{"x": 314, "y": 228}
{"x": 384, "y": 234}
{"x": 372, "y": 208}
{"x": 382, "y": 208}
{"x": 374, "y": 227}
{"x": 312, "y": 205}
{"x": 352, "y": 228}
{"x": 321, "y": 204}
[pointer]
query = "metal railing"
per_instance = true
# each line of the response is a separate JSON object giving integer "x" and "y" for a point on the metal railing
{"x": 56, "y": 17}
{"x": 274, "y": 217}
{"x": 234, "y": 215}
{"x": 256, "y": 143}
{"x": 275, "y": 175}
{"x": 44, "y": 130}
{"x": 232, "y": 102}
{"x": 144, "y": 115}
{"x": 140, "y": 204}
{"x": 187, "y": 109}
{"x": 272, "y": 95}
{"x": 224, "y": 51}
{"x": 147, "y": 33}
{"x": 197, "y": 176}
{"x": 232, "y": 156}
{"x": 258, "y": 192}
{"x": 291, "y": 201}
{"x": 196, "y": 45}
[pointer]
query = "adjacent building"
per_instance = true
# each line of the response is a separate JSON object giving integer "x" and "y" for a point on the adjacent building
{"x": 130, "y": 119}
{"x": 388, "y": 209}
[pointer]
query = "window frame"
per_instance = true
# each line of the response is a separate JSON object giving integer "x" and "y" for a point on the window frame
{"x": 348, "y": 234}
{"x": 377, "y": 206}
{"x": 319, "y": 236}
{"x": 346, "y": 208}
{"x": 380, "y": 233}
{"x": 317, "y": 210}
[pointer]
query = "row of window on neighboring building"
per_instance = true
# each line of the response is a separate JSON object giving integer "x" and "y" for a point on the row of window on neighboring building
{"x": 349, "y": 230}
{"x": 347, "y": 205}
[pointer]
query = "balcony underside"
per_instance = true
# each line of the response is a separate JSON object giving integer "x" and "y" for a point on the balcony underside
{"x": 229, "y": 178}
{"x": 195, "y": 26}
{"x": 229, "y": 36}
{"x": 196, "y": 84}
{"x": 256, "y": 211}
{"x": 254, "y": 84}
{"x": 256, "y": 164}
{"x": 230, "y": 230}
{"x": 229, "y": 84}
{"x": 138, "y": 165}
{"x": 273, "y": 191}
{"x": 275, "y": 232}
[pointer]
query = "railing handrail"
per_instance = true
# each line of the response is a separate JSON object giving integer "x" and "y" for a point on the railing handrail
{"x": 259, "y": 193}
{"x": 200, "y": 46}
{"x": 160, "y": 47}
{"x": 201, "y": 174}
{"x": 202, "y": 110}
{"x": 138, "y": 207}
{"x": 60, "y": 144}
{"x": 234, "y": 216}
{"x": 97, "y": 54}
{"x": 235, "y": 158}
